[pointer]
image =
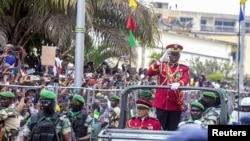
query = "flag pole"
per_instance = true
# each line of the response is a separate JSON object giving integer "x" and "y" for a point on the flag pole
{"x": 238, "y": 65}
{"x": 79, "y": 52}
{"x": 130, "y": 56}
{"x": 242, "y": 48}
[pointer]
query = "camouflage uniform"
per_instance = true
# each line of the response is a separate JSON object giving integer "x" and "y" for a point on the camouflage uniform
{"x": 11, "y": 124}
{"x": 88, "y": 123}
{"x": 113, "y": 117}
{"x": 9, "y": 117}
{"x": 206, "y": 118}
{"x": 211, "y": 116}
{"x": 63, "y": 127}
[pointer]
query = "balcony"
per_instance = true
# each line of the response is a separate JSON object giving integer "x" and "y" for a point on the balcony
{"x": 226, "y": 29}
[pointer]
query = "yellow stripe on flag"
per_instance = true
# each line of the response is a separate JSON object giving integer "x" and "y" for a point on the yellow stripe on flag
{"x": 96, "y": 114}
{"x": 133, "y": 4}
{"x": 242, "y": 2}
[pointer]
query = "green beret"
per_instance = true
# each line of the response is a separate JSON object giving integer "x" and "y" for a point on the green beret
{"x": 209, "y": 94}
{"x": 78, "y": 97}
{"x": 223, "y": 91}
{"x": 45, "y": 94}
{"x": 7, "y": 94}
{"x": 197, "y": 104}
{"x": 115, "y": 97}
{"x": 146, "y": 93}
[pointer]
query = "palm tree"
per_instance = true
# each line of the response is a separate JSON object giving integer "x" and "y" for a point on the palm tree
{"x": 154, "y": 56}
{"x": 54, "y": 21}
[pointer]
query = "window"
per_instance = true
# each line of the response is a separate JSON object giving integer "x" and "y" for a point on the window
{"x": 185, "y": 19}
{"x": 159, "y": 5}
{"x": 204, "y": 26}
{"x": 203, "y": 22}
{"x": 224, "y": 26}
{"x": 247, "y": 27}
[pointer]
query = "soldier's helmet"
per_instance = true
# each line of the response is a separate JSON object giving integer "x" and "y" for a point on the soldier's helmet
{"x": 245, "y": 101}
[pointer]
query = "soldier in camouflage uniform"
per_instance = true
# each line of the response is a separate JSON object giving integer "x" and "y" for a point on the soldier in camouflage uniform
{"x": 9, "y": 117}
{"x": 81, "y": 122}
{"x": 197, "y": 111}
{"x": 210, "y": 113}
{"x": 47, "y": 124}
{"x": 114, "y": 114}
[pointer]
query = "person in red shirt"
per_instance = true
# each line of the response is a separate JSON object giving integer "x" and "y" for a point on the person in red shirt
{"x": 169, "y": 103}
{"x": 143, "y": 120}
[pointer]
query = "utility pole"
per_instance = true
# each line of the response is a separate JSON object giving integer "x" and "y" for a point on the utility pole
{"x": 79, "y": 51}
{"x": 242, "y": 48}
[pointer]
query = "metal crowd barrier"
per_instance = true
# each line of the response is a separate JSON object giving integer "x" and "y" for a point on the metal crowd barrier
{"x": 89, "y": 92}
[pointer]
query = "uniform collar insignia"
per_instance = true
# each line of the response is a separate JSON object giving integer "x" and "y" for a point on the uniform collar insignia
{"x": 173, "y": 64}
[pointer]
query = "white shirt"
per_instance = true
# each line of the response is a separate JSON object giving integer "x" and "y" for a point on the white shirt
{"x": 235, "y": 114}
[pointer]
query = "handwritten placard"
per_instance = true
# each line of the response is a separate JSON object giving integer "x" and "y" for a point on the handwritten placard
{"x": 48, "y": 55}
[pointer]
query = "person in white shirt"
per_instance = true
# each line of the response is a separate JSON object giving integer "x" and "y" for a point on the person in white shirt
{"x": 58, "y": 63}
{"x": 244, "y": 109}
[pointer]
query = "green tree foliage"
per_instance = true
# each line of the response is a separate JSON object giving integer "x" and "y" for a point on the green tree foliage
{"x": 215, "y": 76}
{"x": 54, "y": 21}
{"x": 154, "y": 56}
{"x": 212, "y": 68}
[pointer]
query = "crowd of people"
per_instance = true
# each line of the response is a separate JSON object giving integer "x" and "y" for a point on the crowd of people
{"x": 31, "y": 109}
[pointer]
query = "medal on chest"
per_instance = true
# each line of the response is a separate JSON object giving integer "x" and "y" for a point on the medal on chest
{"x": 172, "y": 75}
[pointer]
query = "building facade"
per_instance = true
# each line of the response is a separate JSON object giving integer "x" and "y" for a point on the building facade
{"x": 206, "y": 35}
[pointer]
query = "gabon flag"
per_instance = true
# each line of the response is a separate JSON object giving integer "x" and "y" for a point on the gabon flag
{"x": 133, "y": 4}
{"x": 131, "y": 23}
{"x": 132, "y": 41}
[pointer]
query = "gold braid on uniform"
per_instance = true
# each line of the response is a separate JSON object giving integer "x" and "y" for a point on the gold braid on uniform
{"x": 153, "y": 67}
{"x": 170, "y": 74}
{"x": 178, "y": 93}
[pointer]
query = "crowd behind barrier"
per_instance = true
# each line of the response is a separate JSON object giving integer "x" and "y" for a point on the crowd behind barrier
{"x": 91, "y": 94}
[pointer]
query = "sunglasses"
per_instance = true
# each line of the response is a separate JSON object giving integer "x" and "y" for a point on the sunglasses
{"x": 46, "y": 102}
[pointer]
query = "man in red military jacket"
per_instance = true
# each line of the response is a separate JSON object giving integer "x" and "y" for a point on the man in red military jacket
{"x": 143, "y": 121}
{"x": 169, "y": 103}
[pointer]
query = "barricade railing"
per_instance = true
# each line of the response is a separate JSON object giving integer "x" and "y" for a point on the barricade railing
{"x": 88, "y": 93}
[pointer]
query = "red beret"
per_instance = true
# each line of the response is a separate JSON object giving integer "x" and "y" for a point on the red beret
{"x": 175, "y": 47}
{"x": 91, "y": 81}
{"x": 143, "y": 103}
